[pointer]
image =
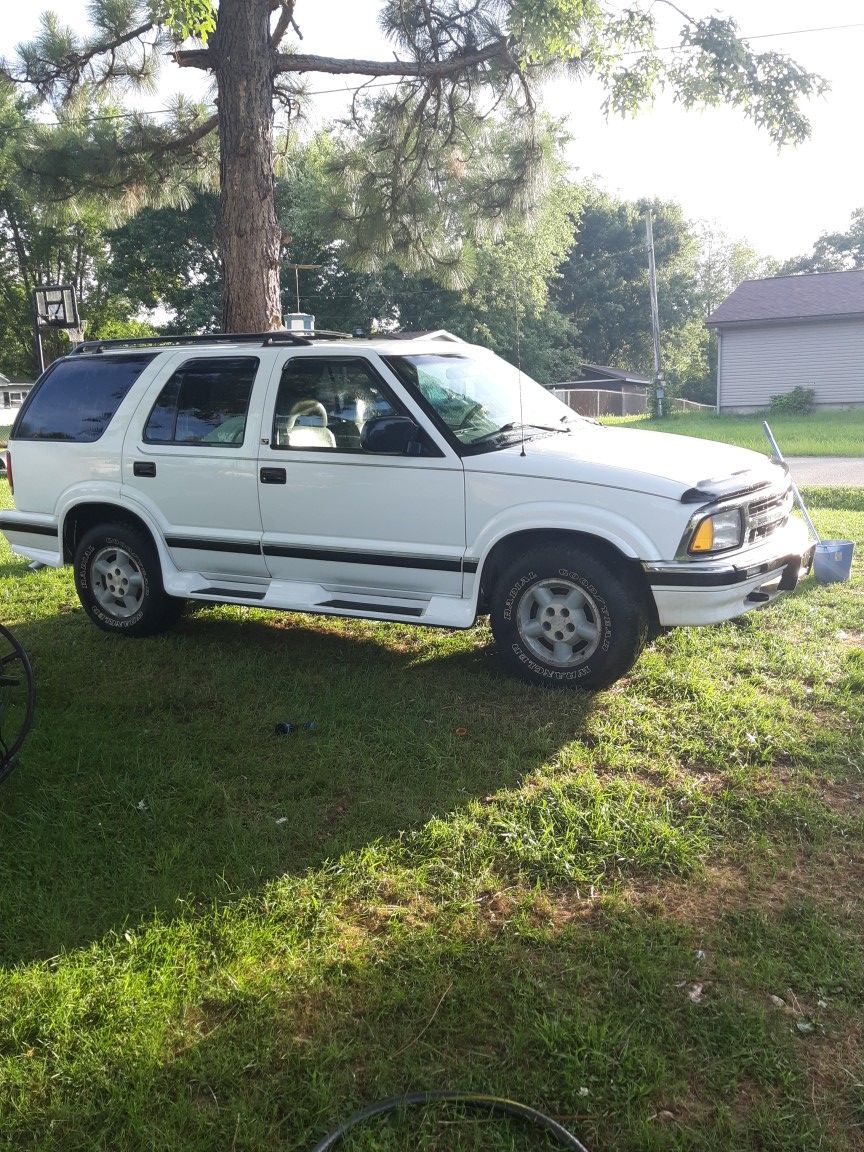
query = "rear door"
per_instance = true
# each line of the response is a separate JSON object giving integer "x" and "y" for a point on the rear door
{"x": 336, "y": 515}
{"x": 190, "y": 457}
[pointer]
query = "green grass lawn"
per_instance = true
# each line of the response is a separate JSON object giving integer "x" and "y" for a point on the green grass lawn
{"x": 821, "y": 434}
{"x": 216, "y": 938}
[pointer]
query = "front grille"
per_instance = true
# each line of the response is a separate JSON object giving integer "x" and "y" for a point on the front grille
{"x": 763, "y": 517}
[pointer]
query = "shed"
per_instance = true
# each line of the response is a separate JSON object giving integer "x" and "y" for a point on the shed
{"x": 784, "y": 332}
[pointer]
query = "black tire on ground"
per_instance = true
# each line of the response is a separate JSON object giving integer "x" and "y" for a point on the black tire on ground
{"x": 563, "y": 616}
{"x": 118, "y": 578}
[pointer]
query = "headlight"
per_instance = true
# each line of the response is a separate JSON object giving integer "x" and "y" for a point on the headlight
{"x": 717, "y": 533}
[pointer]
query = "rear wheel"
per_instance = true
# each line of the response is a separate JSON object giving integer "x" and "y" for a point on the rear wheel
{"x": 119, "y": 581}
{"x": 563, "y": 616}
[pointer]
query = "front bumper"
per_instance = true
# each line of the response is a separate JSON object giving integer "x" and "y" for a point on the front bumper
{"x": 708, "y": 591}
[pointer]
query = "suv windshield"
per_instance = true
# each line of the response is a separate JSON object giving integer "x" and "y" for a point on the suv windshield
{"x": 478, "y": 397}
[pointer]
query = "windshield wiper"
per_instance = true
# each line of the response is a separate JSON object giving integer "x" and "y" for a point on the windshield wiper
{"x": 515, "y": 426}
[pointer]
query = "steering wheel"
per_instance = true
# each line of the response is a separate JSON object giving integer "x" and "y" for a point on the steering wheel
{"x": 472, "y": 411}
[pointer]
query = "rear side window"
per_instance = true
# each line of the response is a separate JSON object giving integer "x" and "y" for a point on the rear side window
{"x": 76, "y": 399}
{"x": 204, "y": 402}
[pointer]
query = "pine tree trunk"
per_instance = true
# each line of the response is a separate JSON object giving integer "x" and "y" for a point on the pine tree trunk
{"x": 247, "y": 230}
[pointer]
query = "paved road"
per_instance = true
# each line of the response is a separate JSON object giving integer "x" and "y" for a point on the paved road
{"x": 827, "y": 471}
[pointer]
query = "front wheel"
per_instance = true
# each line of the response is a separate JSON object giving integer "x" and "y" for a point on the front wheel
{"x": 119, "y": 581}
{"x": 562, "y": 616}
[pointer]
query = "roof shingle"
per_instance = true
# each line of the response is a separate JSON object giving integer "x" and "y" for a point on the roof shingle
{"x": 817, "y": 294}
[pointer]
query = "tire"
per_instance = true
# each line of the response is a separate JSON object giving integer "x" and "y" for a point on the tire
{"x": 119, "y": 581}
{"x": 563, "y": 616}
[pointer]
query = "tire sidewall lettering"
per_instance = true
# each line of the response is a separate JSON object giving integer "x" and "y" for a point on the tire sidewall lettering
{"x": 613, "y": 608}
{"x": 599, "y": 600}
{"x": 114, "y": 623}
{"x": 553, "y": 675}
{"x": 576, "y": 578}
{"x": 513, "y": 594}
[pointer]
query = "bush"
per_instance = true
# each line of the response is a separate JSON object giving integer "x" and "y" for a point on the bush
{"x": 799, "y": 402}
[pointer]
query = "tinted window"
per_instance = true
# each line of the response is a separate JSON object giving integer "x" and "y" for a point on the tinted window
{"x": 77, "y": 398}
{"x": 204, "y": 402}
{"x": 325, "y": 403}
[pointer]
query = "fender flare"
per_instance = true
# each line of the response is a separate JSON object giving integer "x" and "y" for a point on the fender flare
{"x": 613, "y": 530}
{"x": 113, "y": 496}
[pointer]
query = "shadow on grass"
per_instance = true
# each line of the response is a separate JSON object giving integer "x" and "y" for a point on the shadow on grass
{"x": 153, "y": 773}
{"x": 585, "y": 1019}
{"x": 15, "y": 567}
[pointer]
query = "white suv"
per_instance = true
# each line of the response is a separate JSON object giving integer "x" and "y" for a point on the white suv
{"x": 419, "y": 481}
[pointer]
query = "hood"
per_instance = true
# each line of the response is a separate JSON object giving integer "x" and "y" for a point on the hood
{"x": 655, "y": 462}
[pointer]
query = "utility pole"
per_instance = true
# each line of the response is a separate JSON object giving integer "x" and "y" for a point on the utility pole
{"x": 659, "y": 390}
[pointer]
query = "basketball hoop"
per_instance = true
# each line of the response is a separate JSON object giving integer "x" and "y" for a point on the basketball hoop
{"x": 55, "y": 306}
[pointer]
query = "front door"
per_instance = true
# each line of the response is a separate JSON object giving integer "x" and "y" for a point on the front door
{"x": 337, "y": 515}
{"x": 190, "y": 457}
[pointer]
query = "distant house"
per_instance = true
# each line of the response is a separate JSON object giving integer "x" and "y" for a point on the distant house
{"x": 12, "y": 394}
{"x": 785, "y": 332}
{"x": 601, "y": 376}
{"x": 598, "y": 390}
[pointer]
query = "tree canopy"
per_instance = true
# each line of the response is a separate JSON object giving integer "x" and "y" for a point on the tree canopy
{"x": 48, "y": 242}
{"x": 429, "y": 168}
{"x": 833, "y": 251}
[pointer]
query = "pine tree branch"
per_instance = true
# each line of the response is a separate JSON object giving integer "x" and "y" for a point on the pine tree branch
{"x": 74, "y": 64}
{"x": 176, "y": 143}
{"x": 421, "y": 69}
{"x": 150, "y": 160}
{"x": 285, "y": 21}
{"x": 194, "y": 58}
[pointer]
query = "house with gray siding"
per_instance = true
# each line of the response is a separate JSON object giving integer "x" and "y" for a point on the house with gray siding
{"x": 784, "y": 332}
{"x": 12, "y": 395}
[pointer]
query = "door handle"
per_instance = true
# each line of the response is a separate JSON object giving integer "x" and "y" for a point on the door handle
{"x": 143, "y": 468}
{"x": 273, "y": 476}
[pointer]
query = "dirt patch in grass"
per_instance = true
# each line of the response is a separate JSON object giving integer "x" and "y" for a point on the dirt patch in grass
{"x": 833, "y": 1065}
{"x": 845, "y": 798}
{"x": 832, "y": 876}
{"x": 698, "y": 902}
{"x": 849, "y": 639}
{"x": 834, "y": 880}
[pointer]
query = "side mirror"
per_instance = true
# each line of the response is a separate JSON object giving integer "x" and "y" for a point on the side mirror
{"x": 391, "y": 435}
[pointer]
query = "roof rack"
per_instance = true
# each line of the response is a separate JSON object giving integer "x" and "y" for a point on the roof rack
{"x": 264, "y": 339}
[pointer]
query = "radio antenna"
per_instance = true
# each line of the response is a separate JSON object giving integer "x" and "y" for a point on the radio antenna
{"x": 519, "y": 370}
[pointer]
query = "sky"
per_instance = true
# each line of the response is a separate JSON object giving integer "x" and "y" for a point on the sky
{"x": 715, "y": 163}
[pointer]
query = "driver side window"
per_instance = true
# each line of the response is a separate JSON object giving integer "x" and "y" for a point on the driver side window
{"x": 323, "y": 403}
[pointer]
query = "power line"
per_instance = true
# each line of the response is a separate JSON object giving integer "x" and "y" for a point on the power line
{"x": 803, "y": 31}
{"x": 666, "y": 48}
{"x": 347, "y": 89}
{"x": 765, "y": 36}
{"x": 74, "y": 123}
